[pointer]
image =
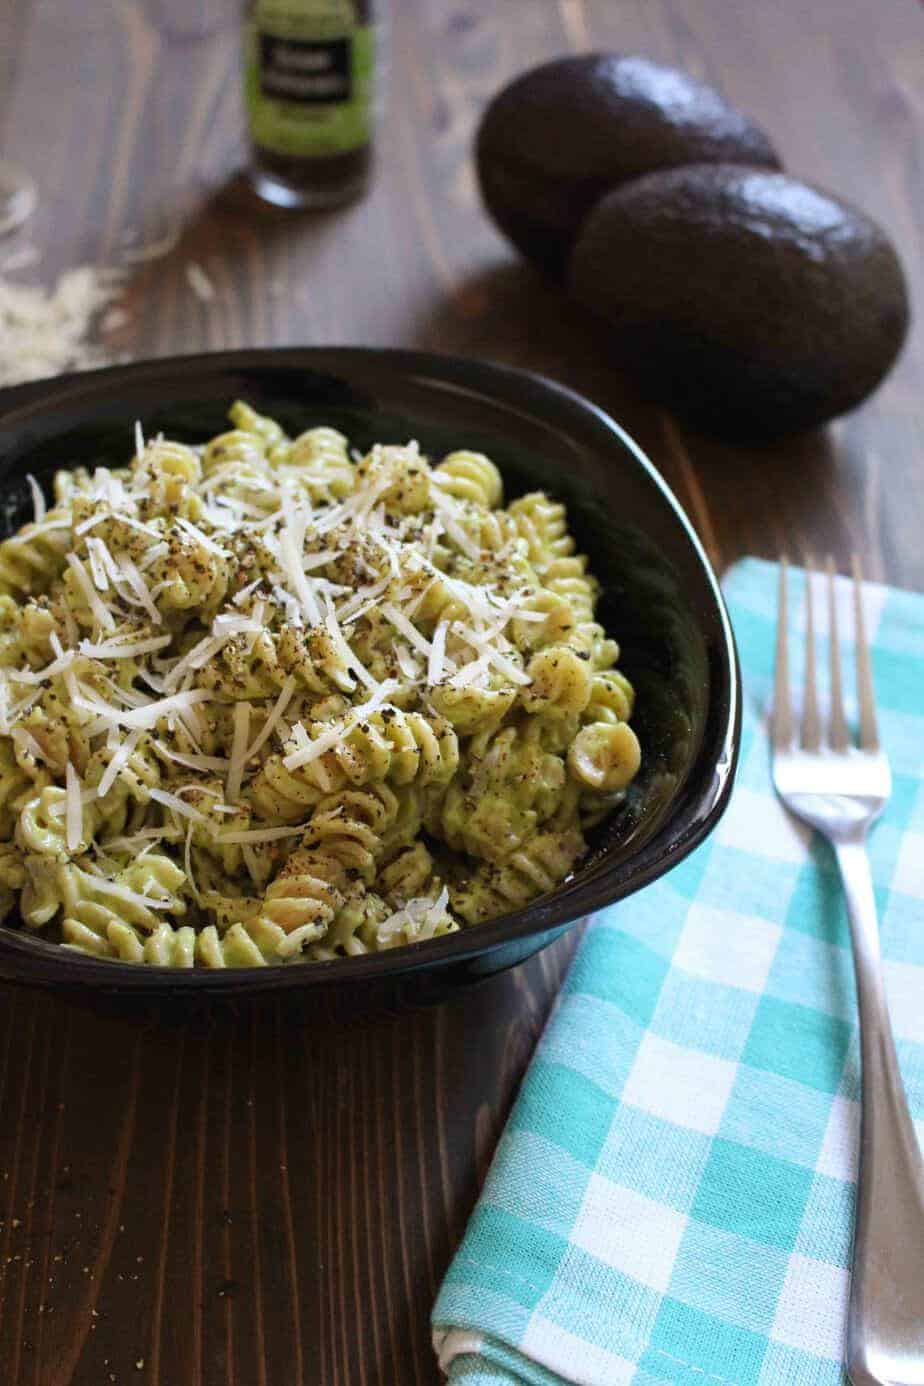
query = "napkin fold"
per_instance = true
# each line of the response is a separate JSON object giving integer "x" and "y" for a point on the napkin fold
{"x": 672, "y": 1199}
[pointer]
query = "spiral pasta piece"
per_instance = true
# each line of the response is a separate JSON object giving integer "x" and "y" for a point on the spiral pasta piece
{"x": 40, "y": 900}
{"x": 322, "y": 460}
{"x": 26, "y": 634}
{"x": 164, "y": 457}
{"x": 306, "y": 894}
{"x": 339, "y": 851}
{"x": 138, "y": 774}
{"x": 492, "y": 531}
{"x": 473, "y": 710}
{"x": 470, "y": 476}
{"x": 42, "y": 827}
{"x": 237, "y": 448}
{"x": 399, "y": 478}
{"x": 12, "y": 876}
{"x": 286, "y": 795}
{"x": 537, "y": 867}
{"x": 167, "y": 946}
{"x": 605, "y": 755}
{"x": 390, "y": 745}
{"x": 244, "y": 945}
{"x": 510, "y": 784}
{"x": 543, "y": 523}
{"x": 111, "y": 918}
{"x": 190, "y": 575}
{"x": 174, "y": 472}
{"x": 248, "y": 420}
{"x": 560, "y": 684}
{"x": 17, "y": 784}
{"x": 612, "y": 698}
{"x": 32, "y": 559}
{"x": 245, "y": 669}
{"x": 353, "y": 931}
{"x": 412, "y": 873}
{"x": 568, "y": 578}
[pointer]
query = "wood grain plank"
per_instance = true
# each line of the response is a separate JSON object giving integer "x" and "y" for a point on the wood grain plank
{"x": 160, "y": 1281}
{"x": 226, "y": 1290}
{"x": 22, "y": 1345}
{"x": 19, "y": 1125}
{"x": 47, "y": 1275}
{"x": 289, "y": 1228}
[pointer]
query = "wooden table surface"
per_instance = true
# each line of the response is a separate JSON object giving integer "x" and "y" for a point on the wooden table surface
{"x": 260, "y": 1202}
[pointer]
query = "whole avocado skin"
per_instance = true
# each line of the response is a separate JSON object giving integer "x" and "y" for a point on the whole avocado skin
{"x": 751, "y": 305}
{"x": 560, "y": 136}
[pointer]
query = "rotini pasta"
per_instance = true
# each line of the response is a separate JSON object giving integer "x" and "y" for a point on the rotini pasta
{"x": 264, "y": 701}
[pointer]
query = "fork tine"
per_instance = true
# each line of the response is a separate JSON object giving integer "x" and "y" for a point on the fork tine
{"x": 838, "y": 727}
{"x": 811, "y": 722}
{"x": 782, "y": 706}
{"x": 869, "y": 732}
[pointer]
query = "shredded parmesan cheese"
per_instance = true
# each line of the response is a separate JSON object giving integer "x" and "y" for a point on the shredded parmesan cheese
{"x": 74, "y": 808}
{"x": 140, "y": 588}
{"x": 174, "y": 802}
{"x": 199, "y": 282}
{"x": 251, "y": 835}
{"x": 112, "y": 649}
{"x": 446, "y": 508}
{"x": 57, "y": 666}
{"x": 147, "y": 716}
{"x": 492, "y": 655}
{"x": 99, "y": 883}
{"x": 437, "y": 657}
{"x": 413, "y": 916}
{"x": 38, "y": 500}
{"x": 119, "y": 760}
{"x": 274, "y": 719}
{"x": 101, "y": 614}
{"x": 155, "y": 552}
{"x": 406, "y": 662}
{"x": 24, "y": 258}
{"x": 193, "y": 762}
{"x": 409, "y": 631}
{"x": 196, "y": 533}
{"x": 27, "y": 744}
{"x": 97, "y": 553}
{"x": 238, "y": 751}
{"x": 45, "y": 332}
{"x": 290, "y": 542}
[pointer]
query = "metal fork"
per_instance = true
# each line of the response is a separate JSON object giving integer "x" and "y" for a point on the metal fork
{"x": 840, "y": 789}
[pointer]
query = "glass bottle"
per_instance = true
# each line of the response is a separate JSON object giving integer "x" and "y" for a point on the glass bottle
{"x": 309, "y": 85}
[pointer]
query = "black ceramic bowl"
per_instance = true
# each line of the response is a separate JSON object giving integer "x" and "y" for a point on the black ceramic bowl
{"x": 660, "y": 598}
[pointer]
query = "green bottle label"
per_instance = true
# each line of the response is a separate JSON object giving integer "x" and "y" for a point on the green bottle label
{"x": 308, "y": 71}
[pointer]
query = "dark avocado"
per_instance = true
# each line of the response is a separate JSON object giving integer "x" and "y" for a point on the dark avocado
{"x": 559, "y": 137}
{"x": 748, "y": 303}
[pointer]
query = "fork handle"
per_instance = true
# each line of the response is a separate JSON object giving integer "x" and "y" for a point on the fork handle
{"x": 885, "y": 1335}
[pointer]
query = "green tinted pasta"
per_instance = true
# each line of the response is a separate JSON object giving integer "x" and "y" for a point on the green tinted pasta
{"x": 264, "y": 701}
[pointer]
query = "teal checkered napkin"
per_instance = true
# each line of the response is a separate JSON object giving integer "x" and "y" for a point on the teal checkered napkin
{"x": 672, "y": 1199}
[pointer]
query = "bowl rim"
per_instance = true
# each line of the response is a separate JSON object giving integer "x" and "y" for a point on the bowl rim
{"x": 43, "y": 963}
